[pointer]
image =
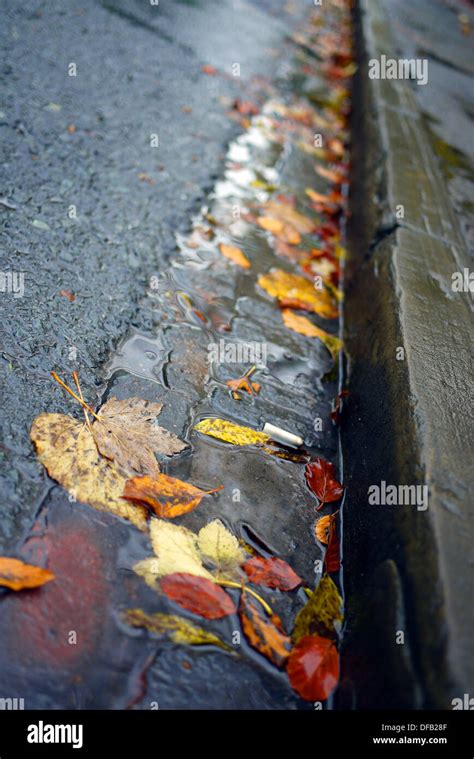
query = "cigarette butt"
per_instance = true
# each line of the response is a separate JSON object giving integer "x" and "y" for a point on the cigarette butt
{"x": 283, "y": 436}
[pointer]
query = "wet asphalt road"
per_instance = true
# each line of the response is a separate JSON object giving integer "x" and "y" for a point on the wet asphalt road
{"x": 89, "y": 207}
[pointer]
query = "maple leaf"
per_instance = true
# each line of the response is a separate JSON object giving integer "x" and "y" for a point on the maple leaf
{"x": 68, "y": 451}
{"x": 304, "y": 326}
{"x": 321, "y": 612}
{"x": 198, "y": 595}
{"x": 167, "y": 496}
{"x": 265, "y": 634}
{"x": 271, "y": 572}
{"x": 313, "y": 668}
{"x": 320, "y": 476}
{"x": 178, "y": 629}
{"x": 124, "y": 432}
{"x": 236, "y": 255}
{"x": 17, "y": 575}
{"x": 286, "y": 286}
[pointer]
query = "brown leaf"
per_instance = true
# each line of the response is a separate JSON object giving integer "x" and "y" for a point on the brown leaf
{"x": 17, "y": 575}
{"x": 271, "y": 572}
{"x": 320, "y": 476}
{"x": 198, "y": 595}
{"x": 264, "y": 634}
{"x": 167, "y": 496}
{"x": 126, "y": 434}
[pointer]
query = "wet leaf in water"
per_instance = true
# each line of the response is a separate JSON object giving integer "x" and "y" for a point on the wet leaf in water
{"x": 280, "y": 229}
{"x": 272, "y": 573}
{"x": 286, "y": 286}
{"x": 289, "y": 215}
{"x": 320, "y": 613}
{"x": 332, "y": 558}
{"x": 220, "y": 548}
{"x": 244, "y": 384}
{"x": 167, "y": 496}
{"x": 127, "y": 435}
{"x": 198, "y": 595}
{"x": 177, "y": 629}
{"x": 210, "y": 70}
{"x": 320, "y": 476}
{"x": 304, "y": 326}
{"x": 313, "y": 668}
{"x": 322, "y": 529}
{"x": 235, "y": 255}
{"x": 265, "y": 634}
{"x": 17, "y": 575}
{"x": 176, "y": 550}
{"x": 68, "y": 451}
{"x": 222, "y": 429}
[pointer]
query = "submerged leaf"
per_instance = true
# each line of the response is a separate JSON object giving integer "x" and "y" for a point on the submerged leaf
{"x": 220, "y": 548}
{"x": 68, "y": 451}
{"x": 176, "y": 550}
{"x": 272, "y": 573}
{"x": 265, "y": 634}
{"x": 127, "y": 435}
{"x": 322, "y": 610}
{"x": 17, "y": 575}
{"x": 313, "y": 668}
{"x": 178, "y": 629}
{"x": 198, "y": 595}
{"x": 320, "y": 476}
{"x": 235, "y": 255}
{"x": 292, "y": 287}
{"x": 304, "y": 326}
{"x": 229, "y": 432}
{"x": 167, "y": 496}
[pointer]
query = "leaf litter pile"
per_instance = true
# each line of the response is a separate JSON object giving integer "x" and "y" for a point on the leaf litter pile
{"x": 113, "y": 459}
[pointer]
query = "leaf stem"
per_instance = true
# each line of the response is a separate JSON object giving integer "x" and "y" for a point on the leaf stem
{"x": 71, "y": 392}
{"x": 246, "y": 589}
{"x": 76, "y": 380}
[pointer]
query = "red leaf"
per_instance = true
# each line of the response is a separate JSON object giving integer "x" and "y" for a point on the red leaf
{"x": 198, "y": 594}
{"x": 320, "y": 476}
{"x": 273, "y": 573}
{"x": 210, "y": 70}
{"x": 332, "y": 559}
{"x": 313, "y": 668}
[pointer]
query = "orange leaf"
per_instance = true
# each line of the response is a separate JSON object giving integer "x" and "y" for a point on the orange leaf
{"x": 198, "y": 594}
{"x": 322, "y": 529}
{"x": 264, "y": 634}
{"x": 210, "y": 70}
{"x": 313, "y": 668}
{"x": 333, "y": 176}
{"x": 235, "y": 255}
{"x": 272, "y": 573}
{"x": 17, "y": 575}
{"x": 167, "y": 496}
{"x": 275, "y": 226}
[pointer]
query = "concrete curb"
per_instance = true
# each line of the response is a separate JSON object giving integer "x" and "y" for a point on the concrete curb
{"x": 408, "y": 419}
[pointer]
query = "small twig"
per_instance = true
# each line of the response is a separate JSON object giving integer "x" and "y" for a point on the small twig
{"x": 76, "y": 380}
{"x": 246, "y": 589}
{"x": 71, "y": 392}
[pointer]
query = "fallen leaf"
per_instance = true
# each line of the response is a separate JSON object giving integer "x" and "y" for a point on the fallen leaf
{"x": 167, "y": 496}
{"x": 285, "y": 232}
{"x": 332, "y": 558}
{"x": 218, "y": 547}
{"x": 288, "y": 214}
{"x": 68, "y": 294}
{"x": 272, "y": 573}
{"x": 210, "y": 70}
{"x": 304, "y": 326}
{"x": 126, "y": 434}
{"x": 198, "y": 595}
{"x": 244, "y": 383}
{"x": 178, "y": 629}
{"x": 229, "y": 432}
{"x": 320, "y": 476}
{"x": 176, "y": 550}
{"x": 313, "y": 668}
{"x": 320, "y": 613}
{"x": 284, "y": 285}
{"x": 17, "y": 575}
{"x": 68, "y": 451}
{"x": 145, "y": 178}
{"x": 332, "y": 176}
{"x": 235, "y": 255}
{"x": 264, "y": 633}
{"x": 322, "y": 529}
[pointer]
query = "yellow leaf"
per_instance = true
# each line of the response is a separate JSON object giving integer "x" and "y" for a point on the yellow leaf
{"x": 178, "y": 629}
{"x": 287, "y": 213}
{"x": 285, "y": 286}
{"x": 229, "y": 432}
{"x": 16, "y": 575}
{"x": 176, "y": 550}
{"x": 219, "y": 547}
{"x": 235, "y": 255}
{"x": 322, "y": 610}
{"x": 304, "y": 326}
{"x": 284, "y": 231}
{"x": 68, "y": 451}
{"x": 271, "y": 225}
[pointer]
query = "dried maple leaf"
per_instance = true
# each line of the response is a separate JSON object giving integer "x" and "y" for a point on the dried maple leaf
{"x": 272, "y": 573}
{"x": 236, "y": 255}
{"x": 127, "y": 435}
{"x": 304, "y": 326}
{"x": 320, "y": 476}
{"x": 68, "y": 451}
{"x": 178, "y": 629}
{"x": 286, "y": 286}
{"x": 198, "y": 595}
{"x": 321, "y": 612}
{"x": 265, "y": 634}
{"x": 313, "y": 668}
{"x": 17, "y": 575}
{"x": 167, "y": 496}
